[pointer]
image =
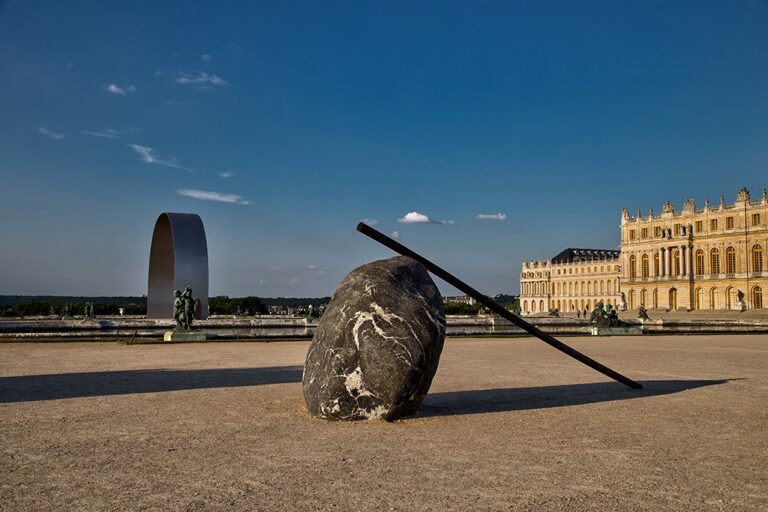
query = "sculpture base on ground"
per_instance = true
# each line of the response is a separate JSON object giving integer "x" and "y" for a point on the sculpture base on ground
{"x": 185, "y": 336}
{"x": 615, "y": 331}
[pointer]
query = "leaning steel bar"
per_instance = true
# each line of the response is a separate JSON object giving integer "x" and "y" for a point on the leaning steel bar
{"x": 493, "y": 306}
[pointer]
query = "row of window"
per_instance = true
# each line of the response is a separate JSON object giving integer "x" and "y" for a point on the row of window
{"x": 698, "y": 227}
{"x": 730, "y": 267}
{"x": 714, "y": 300}
{"x": 571, "y": 288}
{"x": 579, "y": 270}
{"x": 537, "y": 306}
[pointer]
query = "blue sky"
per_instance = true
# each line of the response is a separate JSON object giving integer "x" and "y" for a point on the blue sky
{"x": 283, "y": 124}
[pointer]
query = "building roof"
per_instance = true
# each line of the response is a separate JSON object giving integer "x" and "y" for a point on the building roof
{"x": 572, "y": 254}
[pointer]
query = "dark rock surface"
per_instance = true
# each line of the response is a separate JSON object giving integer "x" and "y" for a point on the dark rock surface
{"x": 378, "y": 344}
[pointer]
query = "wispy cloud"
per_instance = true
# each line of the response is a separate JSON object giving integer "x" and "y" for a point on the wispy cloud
{"x": 370, "y": 222}
{"x": 491, "y": 216}
{"x": 420, "y": 218}
{"x": 228, "y": 173}
{"x": 147, "y": 156}
{"x": 48, "y": 133}
{"x": 107, "y": 134}
{"x": 207, "y": 195}
{"x": 201, "y": 79}
{"x": 395, "y": 234}
{"x": 206, "y": 57}
{"x": 116, "y": 89}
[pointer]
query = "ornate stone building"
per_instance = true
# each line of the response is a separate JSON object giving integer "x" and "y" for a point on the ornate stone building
{"x": 575, "y": 279}
{"x": 697, "y": 258}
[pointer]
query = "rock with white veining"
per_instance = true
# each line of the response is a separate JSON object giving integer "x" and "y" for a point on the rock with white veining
{"x": 378, "y": 344}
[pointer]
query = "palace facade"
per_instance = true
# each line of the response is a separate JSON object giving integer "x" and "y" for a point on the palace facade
{"x": 712, "y": 257}
{"x": 575, "y": 279}
{"x": 697, "y": 258}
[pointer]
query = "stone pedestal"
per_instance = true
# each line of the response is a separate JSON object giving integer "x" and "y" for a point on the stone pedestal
{"x": 616, "y": 331}
{"x": 185, "y": 336}
{"x": 740, "y": 306}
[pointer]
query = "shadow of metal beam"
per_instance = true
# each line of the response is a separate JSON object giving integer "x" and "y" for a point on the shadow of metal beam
{"x": 544, "y": 397}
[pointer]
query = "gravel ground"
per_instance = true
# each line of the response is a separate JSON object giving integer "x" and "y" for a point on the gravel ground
{"x": 510, "y": 424}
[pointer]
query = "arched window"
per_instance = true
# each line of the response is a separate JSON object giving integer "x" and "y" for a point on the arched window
{"x": 589, "y": 287}
{"x": 632, "y": 266}
{"x": 570, "y": 288}
{"x": 631, "y": 299}
{"x": 645, "y": 264}
{"x": 525, "y": 306}
{"x": 757, "y": 298}
{"x": 608, "y": 287}
{"x": 714, "y": 299}
{"x": 728, "y": 300}
{"x": 757, "y": 258}
{"x": 541, "y": 306}
{"x": 655, "y": 298}
{"x": 673, "y": 298}
{"x": 676, "y": 262}
{"x": 601, "y": 286}
{"x": 698, "y": 298}
{"x": 714, "y": 261}
{"x": 643, "y": 297}
{"x": 656, "y": 259}
{"x": 700, "y": 262}
{"x": 533, "y": 306}
{"x": 730, "y": 261}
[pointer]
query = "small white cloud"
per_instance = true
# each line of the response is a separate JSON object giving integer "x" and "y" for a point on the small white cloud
{"x": 115, "y": 89}
{"x": 395, "y": 234}
{"x": 206, "y": 57}
{"x": 312, "y": 267}
{"x": 420, "y": 218}
{"x": 228, "y": 173}
{"x": 202, "y": 79}
{"x": 370, "y": 222}
{"x": 108, "y": 134}
{"x": 206, "y": 195}
{"x": 48, "y": 133}
{"x": 491, "y": 216}
{"x": 147, "y": 156}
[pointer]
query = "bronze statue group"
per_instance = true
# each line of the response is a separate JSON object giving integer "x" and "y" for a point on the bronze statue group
{"x": 183, "y": 309}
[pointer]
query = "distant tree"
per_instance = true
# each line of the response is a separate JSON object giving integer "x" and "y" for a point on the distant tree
{"x": 221, "y": 305}
{"x": 252, "y": 304}
{"x": 460, "y": 308}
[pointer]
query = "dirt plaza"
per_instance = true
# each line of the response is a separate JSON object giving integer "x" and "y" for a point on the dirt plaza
{"x": 509, "y": 424}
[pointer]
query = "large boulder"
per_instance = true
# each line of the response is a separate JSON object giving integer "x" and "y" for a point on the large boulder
{"x": 378, "y": 344}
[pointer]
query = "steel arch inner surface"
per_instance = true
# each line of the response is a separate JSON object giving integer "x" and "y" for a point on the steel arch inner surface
{"x": 178, "y": 258}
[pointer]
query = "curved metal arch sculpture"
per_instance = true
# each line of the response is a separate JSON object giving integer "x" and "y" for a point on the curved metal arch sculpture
{"x": 178, "y": 258}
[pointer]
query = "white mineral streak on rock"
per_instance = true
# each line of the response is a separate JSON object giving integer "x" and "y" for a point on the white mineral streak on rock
{"x": 376, "y": 413}
{"x": 378, "y": 312}
{"x": 355, "y": 385}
